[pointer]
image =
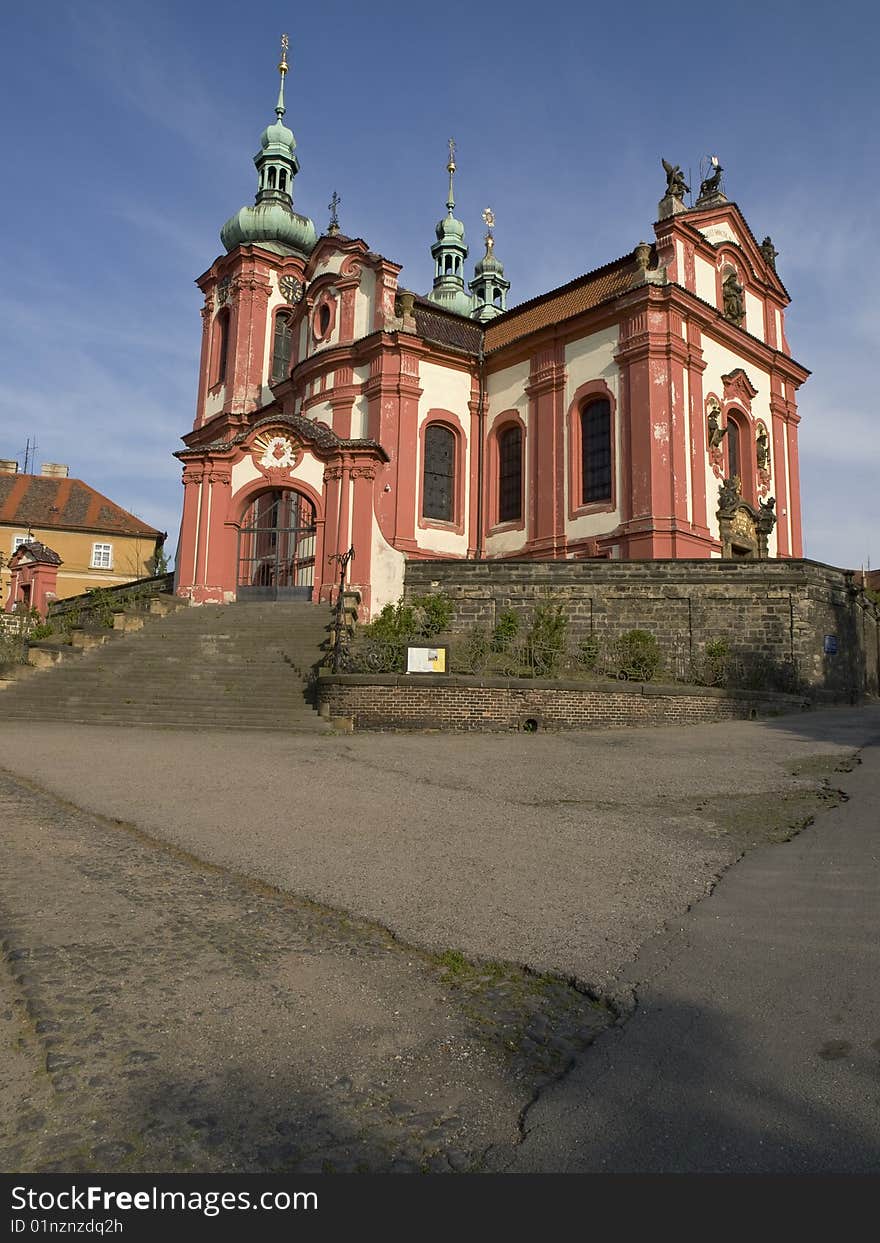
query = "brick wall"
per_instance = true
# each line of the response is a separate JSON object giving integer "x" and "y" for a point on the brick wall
{"x": 778, "y": 610}
{"x": 461, "y": 703}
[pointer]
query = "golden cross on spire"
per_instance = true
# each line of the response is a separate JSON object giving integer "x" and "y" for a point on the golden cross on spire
{"x": 282, "y": 64}
{"x": 451, "y": 165}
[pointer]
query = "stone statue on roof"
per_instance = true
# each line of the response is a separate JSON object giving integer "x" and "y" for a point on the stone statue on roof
{"x": 676, "y": 186}
{"x": 769, "y": 251}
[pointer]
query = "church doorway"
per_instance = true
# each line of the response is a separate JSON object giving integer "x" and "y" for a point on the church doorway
{"x": 276, "y": 548}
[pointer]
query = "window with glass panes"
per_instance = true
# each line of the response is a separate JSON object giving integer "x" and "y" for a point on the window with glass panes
{"x": 510, "y": 474}
{"x": 596, "y": 451}
{"x": 281, "y": 347}
{"x": 439, "y": 484}
{"x": 102, "y": 556}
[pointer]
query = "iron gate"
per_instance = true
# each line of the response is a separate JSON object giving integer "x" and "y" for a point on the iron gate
{"x": 276, "y": 548}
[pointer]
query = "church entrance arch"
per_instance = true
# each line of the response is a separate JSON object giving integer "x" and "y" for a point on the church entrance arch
{"x": 276, "y": 547}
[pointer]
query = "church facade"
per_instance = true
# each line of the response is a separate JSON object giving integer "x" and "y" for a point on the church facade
{"x": 339, "y": 410}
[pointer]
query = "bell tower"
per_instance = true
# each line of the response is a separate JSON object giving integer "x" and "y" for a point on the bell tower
{"x": 260, "y": 242}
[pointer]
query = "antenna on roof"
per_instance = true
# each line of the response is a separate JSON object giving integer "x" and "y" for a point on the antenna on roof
{"x": 30, "y": 454}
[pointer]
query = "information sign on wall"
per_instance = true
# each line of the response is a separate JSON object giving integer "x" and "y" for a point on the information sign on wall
{"x": 426, "y": 659}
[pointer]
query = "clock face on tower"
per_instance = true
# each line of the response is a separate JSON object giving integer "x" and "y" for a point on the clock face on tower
{"x": 291, "y": 288}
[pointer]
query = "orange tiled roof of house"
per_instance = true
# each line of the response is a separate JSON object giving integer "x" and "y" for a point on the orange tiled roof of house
{"x": 67, "y": 504}
{"x": 560, "y": 304}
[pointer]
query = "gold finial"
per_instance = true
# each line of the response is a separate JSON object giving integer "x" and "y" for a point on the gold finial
{"x": 489, "y": 220}
{"x": 333, "y": 206}
{"x": 282, "y": 64}
{"x": 450, "y": 167}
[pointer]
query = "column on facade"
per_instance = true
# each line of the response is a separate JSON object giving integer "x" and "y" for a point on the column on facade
{"x": 794, "y": 499}
{"x": 545, "y": 390}
{"x": 677, "y": 355}
{"x": 221, "y": 554}
{"x": 363, "y": 476}
{"x": 696, "y": 366}
{"x": 332, "y": 490}
{"x": 188, "y": 549}
{"x": 341, "y": 398}
{"x": 250, "y": 320}
{"x": 205, "y": 359}
{"x": 778, "y": 431}
{"x": 476, "y": 530}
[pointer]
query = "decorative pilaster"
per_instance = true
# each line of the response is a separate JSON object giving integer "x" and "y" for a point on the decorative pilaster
{"x": 546, "y": 393}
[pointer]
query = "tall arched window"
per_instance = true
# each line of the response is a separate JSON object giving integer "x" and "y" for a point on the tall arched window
{"x": 439, "y": 484}
{"x": 734, "y": 458}
{"x": 510, "y": 474}
{"x": 281, "y": 347}
{"x": 596, "y": 451}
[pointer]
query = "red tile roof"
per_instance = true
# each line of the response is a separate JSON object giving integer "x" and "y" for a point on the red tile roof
{"x": 65, "y": 504}
{"x": 552, "y": 308}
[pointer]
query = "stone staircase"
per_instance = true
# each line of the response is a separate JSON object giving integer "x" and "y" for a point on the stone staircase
{"x": 237, "y": 666}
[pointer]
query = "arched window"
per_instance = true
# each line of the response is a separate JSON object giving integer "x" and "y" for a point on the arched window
{"x": 596, "y": 451}
{"x": 439, "y": 484}
{"x": 734, "y": 459}
{"x": 281, "y": 347}
{"x": 223, "y": 348}
{"x": 282, "y": 180}
{"x": 510, "y": 474}
{"x": 271, "y": 178}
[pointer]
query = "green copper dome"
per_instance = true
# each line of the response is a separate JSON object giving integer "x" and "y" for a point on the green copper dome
{"x": 272, "y": 221}
{"x": 449, "y": 229}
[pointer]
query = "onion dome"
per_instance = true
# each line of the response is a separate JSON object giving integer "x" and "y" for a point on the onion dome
{"x": 272, "y": 222}
{"x": 489, "y": 286}
{"x": 449, "y": 253}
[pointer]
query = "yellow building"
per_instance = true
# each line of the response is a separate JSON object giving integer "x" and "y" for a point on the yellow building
{"x": 99, "y": 543}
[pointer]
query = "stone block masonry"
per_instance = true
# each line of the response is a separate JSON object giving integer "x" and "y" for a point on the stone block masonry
{"x": 786, "y": 611}
{"x": 373, "y": 701}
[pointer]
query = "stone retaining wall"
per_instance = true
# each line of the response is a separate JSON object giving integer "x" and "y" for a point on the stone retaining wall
{"x": 780, "y": 611}
{"x": 388, "y": 701}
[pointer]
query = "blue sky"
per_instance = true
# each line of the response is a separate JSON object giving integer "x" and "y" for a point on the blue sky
{"x": 128, "y": 132}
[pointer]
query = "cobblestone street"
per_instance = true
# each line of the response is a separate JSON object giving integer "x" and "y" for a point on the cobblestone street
{"x": 160, "y": 1014}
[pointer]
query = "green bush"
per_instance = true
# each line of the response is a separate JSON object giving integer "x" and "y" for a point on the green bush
{"x": 638, "y": 656}
{"x": 422, "y": 617}
{"x": 545, "y": 641}
{"x": 505, "y": 631}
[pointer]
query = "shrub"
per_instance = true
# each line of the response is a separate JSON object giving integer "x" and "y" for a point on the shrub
{"x": 638, "y": 655}
{"x": 506, "y": 630}
{"x": 545, "y": 641}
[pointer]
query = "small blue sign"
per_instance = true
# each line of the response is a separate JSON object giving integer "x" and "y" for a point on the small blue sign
{"x": 830, "y": 645}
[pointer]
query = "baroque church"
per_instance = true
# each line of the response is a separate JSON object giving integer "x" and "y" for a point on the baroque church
{"x": 644, "y": 410}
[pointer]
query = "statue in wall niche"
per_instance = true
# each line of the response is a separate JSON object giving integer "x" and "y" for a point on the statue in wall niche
{"x": 762, "y": 448}
{"x": 676, "y": 186}
{"x": 769, "y": 251}
{"x": 716, "y": 431}
{"x": 733, "y": 295}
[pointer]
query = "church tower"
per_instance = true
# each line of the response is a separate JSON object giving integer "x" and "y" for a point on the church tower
{"x": 489, "y": 286}
{"x": 237, "y": 287}
{"x": 449, "y": 253}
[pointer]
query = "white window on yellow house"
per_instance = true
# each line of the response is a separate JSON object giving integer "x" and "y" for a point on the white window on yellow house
{"x": 17, "y": 541}
{"x": 102, "y": 556}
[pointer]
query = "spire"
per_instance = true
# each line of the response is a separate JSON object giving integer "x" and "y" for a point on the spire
{"x": 273, "y": 219}
{"x": 282, "y": 69}
{"x": 489, "y": 286}
{"x": 450, "y": 168}
{"x": 449, "y": 253}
